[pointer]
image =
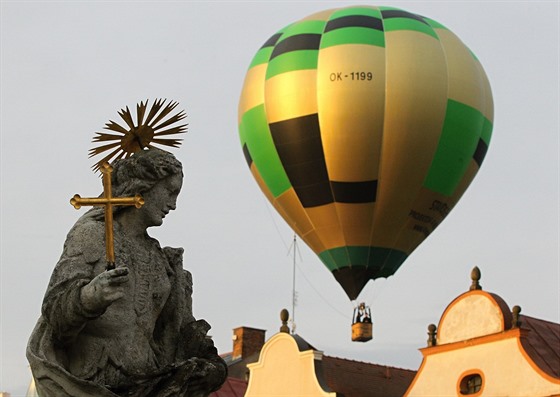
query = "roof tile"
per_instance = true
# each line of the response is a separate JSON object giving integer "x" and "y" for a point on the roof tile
{"x": 360, "y": 379}
{"x": 542, "y": 344}
{"x": 231, "y": 388}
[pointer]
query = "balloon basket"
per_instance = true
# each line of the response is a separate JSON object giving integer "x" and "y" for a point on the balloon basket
{"x": 362, "y": 332}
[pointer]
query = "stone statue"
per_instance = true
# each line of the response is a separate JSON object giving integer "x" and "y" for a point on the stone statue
{"x": 127, "y": 331}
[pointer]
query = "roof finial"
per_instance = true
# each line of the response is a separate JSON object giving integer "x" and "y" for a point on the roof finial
{"x": 432, "y": 332}
{"x": 475, "y": 277}
{"x": 516, "y": 321}
{"x": 284, "y": 316}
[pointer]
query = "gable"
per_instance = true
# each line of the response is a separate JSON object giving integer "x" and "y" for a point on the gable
{"x": 284, "y": 370}
{"x": 473, "y": 314}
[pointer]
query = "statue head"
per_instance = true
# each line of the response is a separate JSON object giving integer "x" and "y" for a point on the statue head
{"x": 138, "y": 173}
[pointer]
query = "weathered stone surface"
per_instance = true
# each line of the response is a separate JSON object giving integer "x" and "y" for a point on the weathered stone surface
{"x": 128, "y": 331}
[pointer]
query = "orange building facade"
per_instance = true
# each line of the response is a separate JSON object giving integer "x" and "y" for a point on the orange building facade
{"x": 482, "y": 348}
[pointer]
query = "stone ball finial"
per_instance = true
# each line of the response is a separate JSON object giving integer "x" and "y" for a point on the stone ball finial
{"x": 475, "y": 277}
{"x": 516, "y": 311}
{"x": 284, "y": 316}
{"x": 432, "y": 332}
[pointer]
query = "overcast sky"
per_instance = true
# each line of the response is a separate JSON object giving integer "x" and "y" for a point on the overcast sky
{"x": 67, "y": 67}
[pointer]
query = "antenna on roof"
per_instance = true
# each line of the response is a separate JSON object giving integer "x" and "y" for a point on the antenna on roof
{"x": 294, "y": 292}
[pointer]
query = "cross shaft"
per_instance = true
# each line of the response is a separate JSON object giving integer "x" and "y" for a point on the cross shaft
{"x": 108, "y": 201}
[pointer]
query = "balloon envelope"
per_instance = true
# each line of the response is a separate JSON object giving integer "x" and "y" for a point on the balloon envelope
{"x": 363, "y": 126}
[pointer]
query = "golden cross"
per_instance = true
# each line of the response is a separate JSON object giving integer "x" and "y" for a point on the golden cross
{"x": 108, "y": 201}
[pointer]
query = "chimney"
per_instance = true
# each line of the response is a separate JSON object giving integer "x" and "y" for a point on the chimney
{"x": 247, "y": 341}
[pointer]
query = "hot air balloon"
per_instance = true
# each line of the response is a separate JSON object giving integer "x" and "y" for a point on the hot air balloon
{"x": 363, "y": 126}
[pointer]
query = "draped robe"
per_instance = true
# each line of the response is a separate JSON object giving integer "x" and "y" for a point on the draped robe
{"x": 145, "y": 344}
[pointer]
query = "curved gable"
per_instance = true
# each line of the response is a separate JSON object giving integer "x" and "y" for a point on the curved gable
{"x": 473, "y": 314}
{"x": 284, "y": 369}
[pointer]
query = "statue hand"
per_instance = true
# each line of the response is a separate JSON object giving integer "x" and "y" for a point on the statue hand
{"x": 104, "y": 289}
{"x": 195, "y": 377}
{"x": 206, "y": 377}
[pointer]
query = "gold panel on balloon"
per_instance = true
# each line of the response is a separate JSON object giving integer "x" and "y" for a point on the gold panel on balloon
{"x": 319, "y": 16}
{"x": 314, "y": 242}
{"x": 291, "y": 210}
{"x": 488, "y": 110}
{"x": 356, "y": 221}
{"x": 253, "y": 89}
{"x": 290, "y": 95}
{"x": 463, "y": 73}
{"x": 468, "y": 177}
{"x": 351, "y": 103}
{"x": 325, "y": 221}
{"x": 429, "y": 210}
{"x": 416, "y": 99}
{"x": 261, "y": 182}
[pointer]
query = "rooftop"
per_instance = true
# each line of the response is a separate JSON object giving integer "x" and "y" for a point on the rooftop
{"x": 542, "y": 344}
{"x": 231, "y": 388}
{"x": 358, "y": 379}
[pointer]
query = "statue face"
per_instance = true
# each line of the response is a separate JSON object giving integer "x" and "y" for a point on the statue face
{"x": 160, "y": 199}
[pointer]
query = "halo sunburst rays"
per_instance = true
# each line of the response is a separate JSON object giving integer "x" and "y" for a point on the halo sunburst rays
{"x": 149, "y": 130}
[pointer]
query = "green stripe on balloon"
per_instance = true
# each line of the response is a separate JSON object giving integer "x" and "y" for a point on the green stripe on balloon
{"x": 336, "y": 258}
{"x": 303, "y": 27}
{"x": 254, "y": 131}
{"x": 395, "y": 24}
{"x": 350, "y": 11}
{"x": 462, "y": 129}
{"x": 262, "y": 56}
{"x": 354, "y": 25}
{"x": 299, "y": 58}
{"x": 395, "y": 19}
{"x": 381, "y": 262}
{"x": 435, "y": 24}
{"x": 393, "y": 260}
{"x": 486, "y": 134}
{"x": 353, "y": 35}
{"x": 291, "y": 61}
